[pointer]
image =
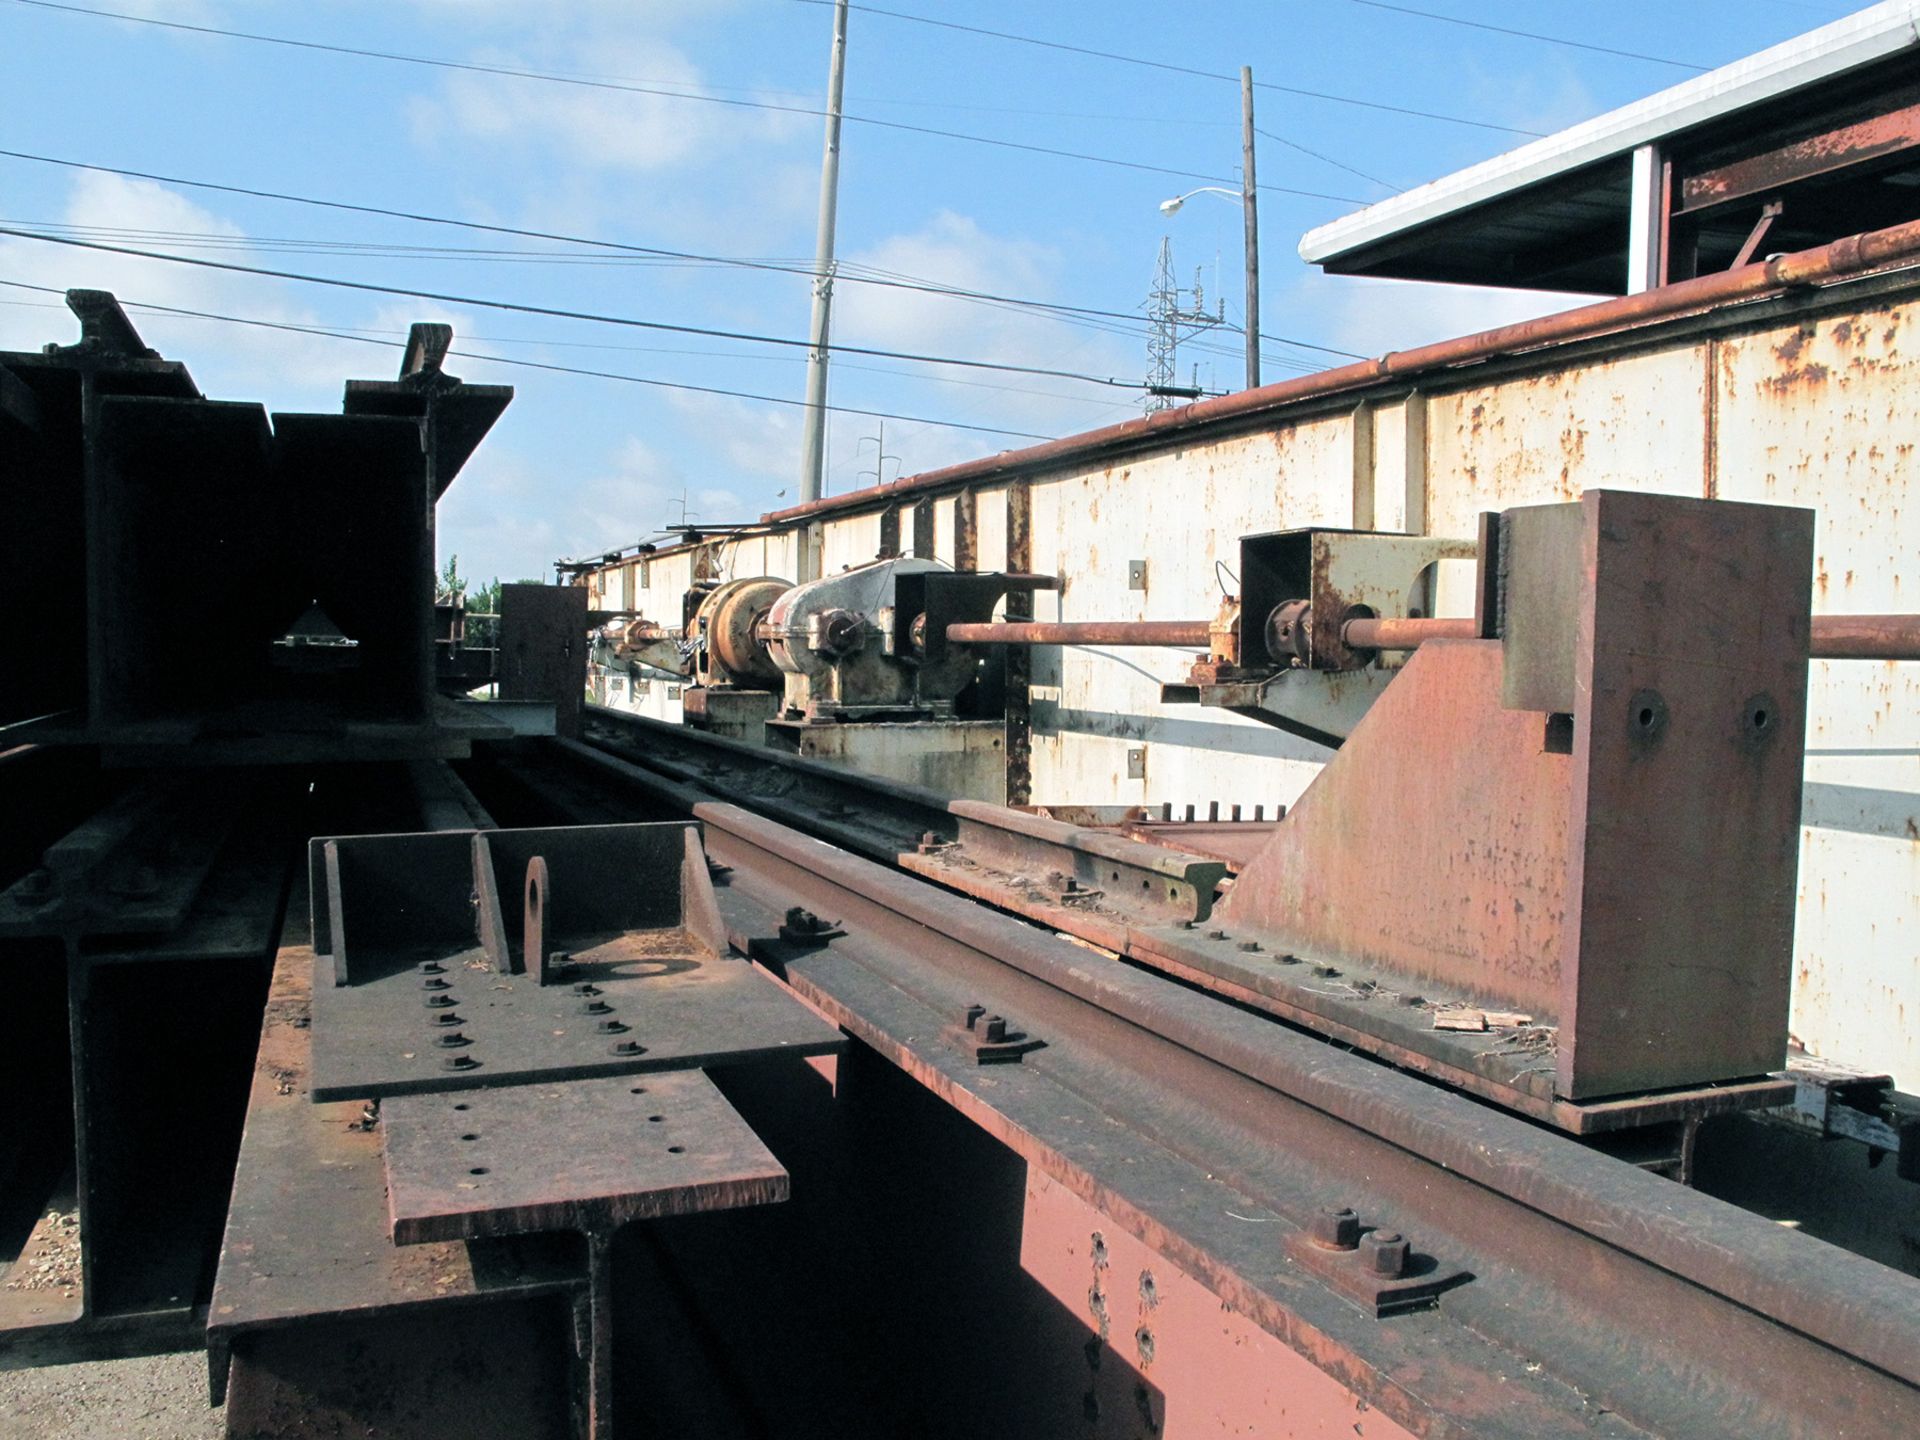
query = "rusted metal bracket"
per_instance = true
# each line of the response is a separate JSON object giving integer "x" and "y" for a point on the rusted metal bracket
{"x": 1374, "y": 1267}
{"x": 991, "y": 1039}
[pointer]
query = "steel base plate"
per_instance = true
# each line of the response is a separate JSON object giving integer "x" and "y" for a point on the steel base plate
{"x": 652, "y": 1000}
{"x": 578, "y": 1155}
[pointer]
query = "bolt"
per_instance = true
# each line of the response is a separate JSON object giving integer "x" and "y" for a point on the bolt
{"x": 560, "y": 960}
{"x": 929, "y": 842}
{"x": 971, "y": 1014}
{"x": 992, "y": 1029}
{"x": 447, "y": 1017}
{"x": 452, "y": 1040}
{"x": 1250, "y": 946}
{"x": 431, "y": 967}
{"x": 626, "y": 1047}
{"x": 584, "y": 989}
{"x": 596, "y": 1007}
{"x": 613, "y": 1027}
{"x": 1325, "y": 972}
{"x": 434, "y": 982}
{"x": 440, "y": 1001}
{"x": 1336, "y": 1228}
{"x": 459, "y": 1062}
{"x": 1289, "y": 959}
{"x": 1216, "y": 934}
{"x": 1386, "y": 1253}
{"x": 1189, "y": 924}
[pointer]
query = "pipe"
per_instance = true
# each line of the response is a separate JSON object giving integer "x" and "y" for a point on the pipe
{"x": 1865, "y": 637}
{"x": 1083, "y": 632}
{"x": 1838, "y": 260}
{"x": 1834, "y": 637}
{"x": 1392, "y": 632}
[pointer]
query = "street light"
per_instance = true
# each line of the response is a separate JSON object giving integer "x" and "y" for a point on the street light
{"x": 1250, "y": 206}
{"x": 1172, "y": 207}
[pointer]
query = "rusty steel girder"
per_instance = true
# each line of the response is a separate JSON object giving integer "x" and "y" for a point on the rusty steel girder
{"x": 1574, "y": 1293}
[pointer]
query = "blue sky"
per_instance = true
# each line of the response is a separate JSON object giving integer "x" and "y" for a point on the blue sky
{"x": 580, "y": 464}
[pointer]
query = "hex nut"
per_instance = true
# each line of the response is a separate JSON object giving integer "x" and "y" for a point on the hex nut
{"x": 1336, "y": 1227}
{"x": 1386, "y": 1253}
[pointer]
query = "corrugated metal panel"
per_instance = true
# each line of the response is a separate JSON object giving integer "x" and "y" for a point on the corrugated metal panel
{"x": 1825, "y": 414}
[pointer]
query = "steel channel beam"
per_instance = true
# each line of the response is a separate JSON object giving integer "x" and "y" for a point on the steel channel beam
{"x": 1600, "y": 1292}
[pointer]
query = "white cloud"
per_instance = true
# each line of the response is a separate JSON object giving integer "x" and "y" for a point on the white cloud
{"x": 643, "y": 130}
{"x": 229, "y": 361}
{"x": 1371, "y": 317}
{"x": 507, "y": 516}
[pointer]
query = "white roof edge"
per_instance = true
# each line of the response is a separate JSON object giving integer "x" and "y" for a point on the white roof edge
{"x": 1846, "y": 44}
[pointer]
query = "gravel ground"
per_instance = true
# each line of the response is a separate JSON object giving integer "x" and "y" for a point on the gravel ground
{"x": 158, "y": 1397}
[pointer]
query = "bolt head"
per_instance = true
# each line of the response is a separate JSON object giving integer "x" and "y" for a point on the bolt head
{"x": 452, "y": 1040}
{"x": 1216, "y": 934}
{"x": 447, "y": 1017}
{"x": 460, "y": 1062}
{"x": 1336, "y": 1228}
{"x": 1386, "y": 1253}
{"x": 992, "y": 1028}
{"x": 596, "y": 1007}
{"x": 440, "y": 1001}
{"x": 971, "y": 1015}
{"x": 585, "y": 989}
{"x": 431, "y": 967}
{"x": 626, "y": 1047}
{"x": 613, "y": 1027}
{"x": 434, "y": 982}
{"x": 1250, "y": 946}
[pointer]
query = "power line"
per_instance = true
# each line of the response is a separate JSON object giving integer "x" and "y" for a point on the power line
{"x": 624, "y": 87}
{"x": 1528, "y": 35}
{"x": 847, "y": 271}
{"x": 540, "y": 365}
{"x": 1325, "y": 160}
{"x": 1173, "y": 68}
{"x": 585, "y": 315}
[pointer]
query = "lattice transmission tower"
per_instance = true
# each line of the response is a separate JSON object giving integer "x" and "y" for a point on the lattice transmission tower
{"x": 1172, "y": 313}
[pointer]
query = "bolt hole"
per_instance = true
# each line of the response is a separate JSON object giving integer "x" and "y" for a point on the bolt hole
{"x": 656, "y": 1119}
{"x": 676, "y": 1149}
{"x": 1646, "y": 717}
{"x": 469, "y": 1136}
{"x": 461, "y": 1106}
{"x": 478, "y": 1170}
{"x": 638, "y": 1090}
{"x": 1759, "y": 719}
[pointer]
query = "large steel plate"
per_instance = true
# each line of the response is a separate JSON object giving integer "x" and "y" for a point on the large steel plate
{"x": 656, "y": 1000}
{"x": 578, "y": 1155}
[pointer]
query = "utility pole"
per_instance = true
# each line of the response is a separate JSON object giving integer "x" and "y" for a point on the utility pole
{"x": 813, "y": 449}
{"x": 1249, "y": 192}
